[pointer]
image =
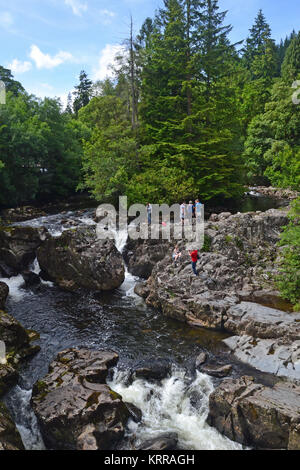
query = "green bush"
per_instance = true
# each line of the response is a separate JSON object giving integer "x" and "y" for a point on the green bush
{"x": 289, "y": 279}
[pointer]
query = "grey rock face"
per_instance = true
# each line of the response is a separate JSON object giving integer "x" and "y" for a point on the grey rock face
{"x": 280, "y": 357}
{"x": 78, "y": 260}
{"x": 18, "y": 246}
{"x": 18, "y": 347}
{"x": 256, "y": 415}
{"x": 4, "y": 291}
{"x": 10, "y": 438}
{"x": 75, "y": 407}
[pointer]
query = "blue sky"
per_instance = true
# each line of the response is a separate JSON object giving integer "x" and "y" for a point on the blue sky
{"x": 47, "y": 42}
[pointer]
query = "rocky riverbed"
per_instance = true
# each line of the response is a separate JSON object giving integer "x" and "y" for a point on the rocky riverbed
{"x": 213, "y": 346}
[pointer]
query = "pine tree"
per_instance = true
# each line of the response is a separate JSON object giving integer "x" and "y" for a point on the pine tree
{"x": 260, "y": 54}
{"x": 291, "y": 64}
{"x": 69, "y": 107}
{"x": 82, "y": 92}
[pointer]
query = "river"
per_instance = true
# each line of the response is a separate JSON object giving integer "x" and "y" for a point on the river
{"x": 123, "y": 322}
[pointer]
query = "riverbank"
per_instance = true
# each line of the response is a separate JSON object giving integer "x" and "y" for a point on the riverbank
{"x": 175, "y": 345}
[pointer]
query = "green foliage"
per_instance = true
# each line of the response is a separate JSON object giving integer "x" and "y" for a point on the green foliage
{"x": 40, "y": 149}
{"x": 289, "y": 279}
{"x": 291, "y": 65}
{"x": 273, "y": 141}
{"x": 110, "y": 155}
{"x": 82, "y": 93}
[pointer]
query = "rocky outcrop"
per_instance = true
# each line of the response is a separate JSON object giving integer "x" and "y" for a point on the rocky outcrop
{"x": 166, "y": 441}
{"x": 256, "y": 415}
{"x": 21, "y": 214}
{"x": 96, "y": 416}
{"x": 141, "y": 256}
{"x": 78, "y": 260}
{"x": 275, "y": 192}
{"x": 240, "y": 257}
{"x": 18, "y": 347}
{"x": 4, "y": 291}
{"x": 280, "y": 357}
{"x": 10, "y": 438}
{"x": 18, "y": 247}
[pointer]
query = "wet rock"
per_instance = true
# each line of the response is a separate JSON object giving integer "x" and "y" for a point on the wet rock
{"x": 256, "y": 415}
{"x": 18, "y": 246}
{"x": 6, "y": 271}
{"x": 8, "y": 378}
{"x": 18, "y": 347}
{"x": 200, "y": 360}
{"x": 142, "y": 289}
{"x": 166, "y": 441}
{"x": 276, "y": 192}
{"x": 156, "y": 370}
{"x": 141, "y": 256}
{"x": 96, "y": 416}
{"x": 10, "y": 438}
{"x": 21, "y": 214}
{"x": 135, "y": 413}
{"x": 77, "y": 259}
{"x": 30, "y": 278}
{"x": 4, "y": 291}
{"x": 215, "y": 371}
{"x": 280, "y": 357}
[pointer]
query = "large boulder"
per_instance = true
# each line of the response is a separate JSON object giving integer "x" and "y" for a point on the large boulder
{"x": 18, "y": 246}
{"x": 17, "y": 347}
{"x": 280, "y": 357}
{"x": 240, "y": 257}
{"x": 142, "y": 256}
{"x": 77, "y": 259}
{"x": 256, "y": 415}
{"x": 4, "y": 291}
{"x": 74, "y": 406}
{"x": 10, "y": 438}
{"x": 248, "y": 318}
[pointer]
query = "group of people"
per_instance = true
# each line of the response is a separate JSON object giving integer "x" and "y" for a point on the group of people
{"x": 188, "y": 211}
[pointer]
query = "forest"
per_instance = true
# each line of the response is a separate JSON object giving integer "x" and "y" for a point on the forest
{"x": 186, "y": 114}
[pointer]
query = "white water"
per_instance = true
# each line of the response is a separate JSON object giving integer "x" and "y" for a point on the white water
{"x": 29, "y": 430}
{"x": 15, "y": 284}
{"x": 176, "y": 405}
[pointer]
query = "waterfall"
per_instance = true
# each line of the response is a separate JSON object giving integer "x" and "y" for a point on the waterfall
{"x": 176, "y": 405}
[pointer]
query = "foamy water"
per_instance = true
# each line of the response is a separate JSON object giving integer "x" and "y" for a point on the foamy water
{"x": 176, "y": 405}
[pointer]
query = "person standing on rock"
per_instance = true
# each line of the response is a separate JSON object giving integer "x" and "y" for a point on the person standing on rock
{"x": 190, "y": 211}
{"x": 198, "y": 207}
{"x": 194, "y": 257}
{"x": 149, "y": 212}
{"x": 182, "y": 212}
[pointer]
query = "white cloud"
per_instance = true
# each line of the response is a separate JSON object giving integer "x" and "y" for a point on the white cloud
{"x": 108, "y": 13}
{"x": 77, "y": 6}
{"x": 45, "y": 61}
{"x": 17, "y": 66}
{"x": 6, "y": 20}
{"x": 107, "y": 58}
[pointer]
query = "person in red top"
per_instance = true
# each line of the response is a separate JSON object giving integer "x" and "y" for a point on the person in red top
{"x": 194, "y": 256}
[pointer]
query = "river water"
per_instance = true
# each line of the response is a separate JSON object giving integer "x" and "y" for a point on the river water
{"x": 123, "y": 322}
